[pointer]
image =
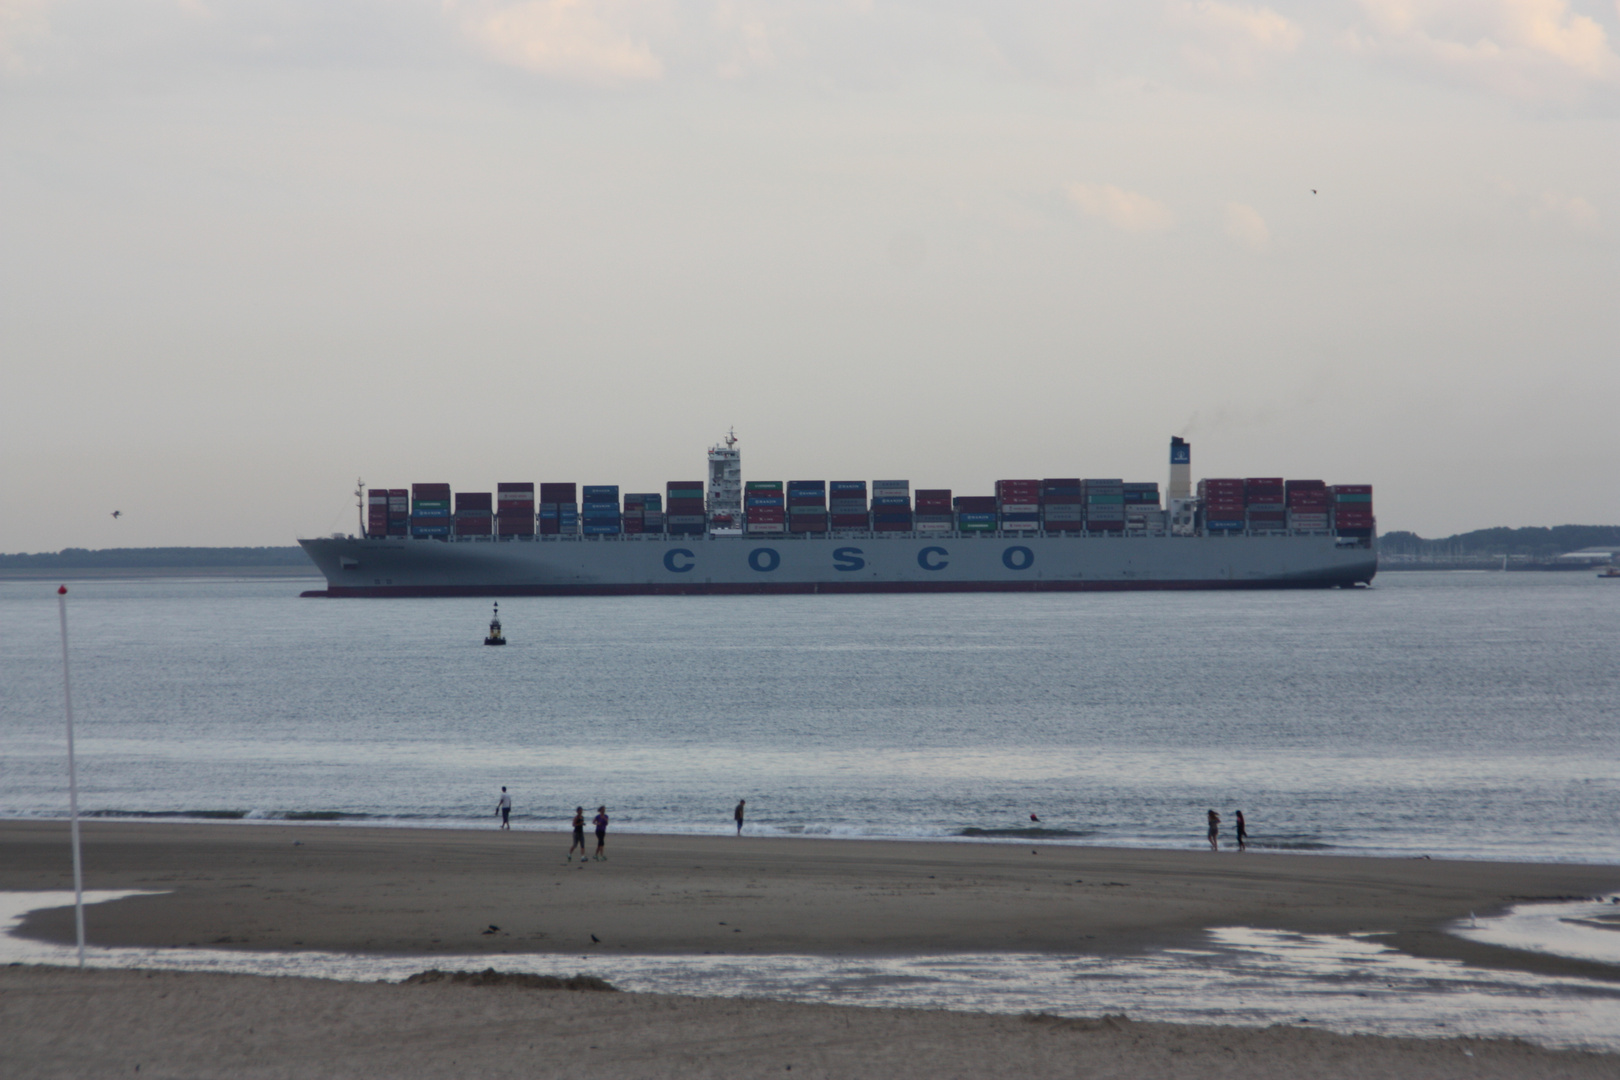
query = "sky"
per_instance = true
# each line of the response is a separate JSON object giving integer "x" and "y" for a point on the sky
{"x": 251, "y": 251}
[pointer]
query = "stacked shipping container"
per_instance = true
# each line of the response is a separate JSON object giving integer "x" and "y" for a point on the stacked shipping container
{"x": 1265, "y": 508}
{"x": 514, "y": 509}
{"x": 377, "y": 512}
{"x": 1062, "y": 505}
{"x": 891, "y": 506}
{"x": 559, "y": 510}
{"x": 807, "y": 506}
{"x": 1019, "y": 504}
{"x": 1307, "y": 505}
{"x": 1222, "y": 503}
{"x": 1105, "y": 505}
{"x": 475, "y": 513}
{"x": 764, "y": 507}
{"x": 599, "y": 510}
{"x": 976, "y": 513}
{"x": 683, "y": 508}
{"x": 1142, "y": 512}
{"x": 1352, "y": 509}
{"x": 430, "y": 510}
{"x": 846, "y": 505}
{"x": 933, "y": 510}
{"x": 399, "y": 512}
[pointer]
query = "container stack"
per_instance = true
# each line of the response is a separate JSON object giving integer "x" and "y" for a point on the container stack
{"x": 934, "y": 510}
{"x": 652, "y": 512}
{"x": 430, "y": 510}
{"x": 559, "y": 510}
{"x": 807, "y": 506}
{"x": 1307, "y": 505}
{"x": 634, "y": 518}
{"x": 1105, "y": 505}
{"x": 475, "y": 513}
{"x": 377, "y": 512}
{"x": 599, "y": 510}
{"x": 514, "y": 509}
{"x": 399, "y": 511}
{"x": 1142, "y": 512}
{"x": 1352, "y": 509}
{"x": 683, "y": 508}
{"x": 764, "y": 507}
{"x": 1222, "y": 502}
{"x": 891, "y": 506}
{"x": 1063, "y": 506}
{"x": 1265, "y": 504}
{"x": 1019, "y": 504}
{"x": 976, "y": 514}
{"x": 846, "y": 505}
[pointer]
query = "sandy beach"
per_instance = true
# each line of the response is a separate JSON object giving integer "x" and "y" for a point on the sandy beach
{"x": 427, "y": 892}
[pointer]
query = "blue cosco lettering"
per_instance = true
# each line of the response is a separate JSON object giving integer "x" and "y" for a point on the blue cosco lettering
{"x": 764, "y": 559}
{"x": 848, "y": 559}
{"x": 678, "y": 568}
{"x": 927, "y": 563}
{"x": 1018, "y": 558}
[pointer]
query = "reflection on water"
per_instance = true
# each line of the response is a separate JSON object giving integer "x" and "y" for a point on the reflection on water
{"x": 1583, "y": 929}
{"x": 1240, "y": 976}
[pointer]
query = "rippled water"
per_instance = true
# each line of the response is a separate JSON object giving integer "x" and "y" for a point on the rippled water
{"x": 1472, "y": 715}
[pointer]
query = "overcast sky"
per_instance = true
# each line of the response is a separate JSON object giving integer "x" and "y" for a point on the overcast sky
{"x": 250, "y": 251}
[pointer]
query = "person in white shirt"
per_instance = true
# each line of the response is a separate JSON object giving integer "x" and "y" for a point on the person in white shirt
{"x": 504, "y": 808}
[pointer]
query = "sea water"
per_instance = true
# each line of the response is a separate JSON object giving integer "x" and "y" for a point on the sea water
{"x": 1472, "y": 715}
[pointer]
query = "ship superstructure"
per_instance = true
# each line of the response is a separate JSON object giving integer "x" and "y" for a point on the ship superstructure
{"x": 768, "y": 536}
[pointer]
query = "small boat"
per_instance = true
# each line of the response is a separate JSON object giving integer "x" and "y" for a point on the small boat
{"x": 1610, "y": 572}
{"x": 495, "y": 636}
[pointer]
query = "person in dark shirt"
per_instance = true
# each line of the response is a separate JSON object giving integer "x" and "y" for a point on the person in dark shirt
{"x": 601, "y": 823}
{"x": 579, "y": 834}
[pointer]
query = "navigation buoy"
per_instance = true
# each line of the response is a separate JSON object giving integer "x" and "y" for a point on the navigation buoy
{"x": 495, "y": 637}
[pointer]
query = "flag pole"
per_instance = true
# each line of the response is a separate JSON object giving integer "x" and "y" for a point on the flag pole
{"x": 73, "y": 780}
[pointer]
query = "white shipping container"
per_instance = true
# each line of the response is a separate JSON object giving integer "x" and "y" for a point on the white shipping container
{"x": 895, "y": 485}
{"x": 932, "y": 526}
{"x": 1020, "y": 508}
{"x": 1010, "y": 526}
{"x": 766, "y": 527}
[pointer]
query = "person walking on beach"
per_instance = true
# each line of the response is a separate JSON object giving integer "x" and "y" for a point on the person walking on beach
{"x": 601, "y": 823}
{"x": 1214, "y": 829}
{"x": 579, "y": 834}
{"x": 1242, "y": 832}
{"x": 738, "y": 814}
{"x": 503, "y": 809}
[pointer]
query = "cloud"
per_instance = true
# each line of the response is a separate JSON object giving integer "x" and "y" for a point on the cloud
{"x": 1245, "y": 225}
{"x": 578, "y": 41}
{"x": 1527, "y": 48}
{"x": 1128, "y": 210}
{"x": 1233, "y": 40}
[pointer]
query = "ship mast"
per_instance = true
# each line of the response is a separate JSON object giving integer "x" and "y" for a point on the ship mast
{"x": 360, "y": 504}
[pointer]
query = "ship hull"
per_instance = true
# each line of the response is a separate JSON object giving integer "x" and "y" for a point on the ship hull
{"x": 851, "y": 563}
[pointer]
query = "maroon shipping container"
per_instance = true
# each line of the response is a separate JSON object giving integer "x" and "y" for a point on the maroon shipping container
{"x": 1105, "y": 526}
{"x": 474, "y": 526}
{"x": 767, "y": 513}
{"x": 508, "y": 527}
{"x": 513, "y": 492}
{"x": 684, "y": 506}
{"x": 976, "y": 504}
{"x": 933, "y": 493}
{"x": 559, "y": 493}
{"x": 849, "y": 521}
{"x": 891, "y": 526}
{"x": 431, "y": 492}
{"x": 1064, "y": 500}
{"x": 1351, "y": 489}
{"x": 474, "y": 500}
{"x": 807, "y": 526}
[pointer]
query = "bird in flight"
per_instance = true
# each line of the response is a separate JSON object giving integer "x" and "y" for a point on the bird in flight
{"x": 1313, "y": 191}
{"x": 118, "y": 513}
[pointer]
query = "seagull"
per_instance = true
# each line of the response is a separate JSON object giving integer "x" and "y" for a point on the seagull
{"x": 596, "y": 939}
{"x": 493, "y": 929}
{"x": 1313, "y": 191}
{"x": 117, "y": 513}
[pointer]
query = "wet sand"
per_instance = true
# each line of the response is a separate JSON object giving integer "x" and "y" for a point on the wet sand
{"x": 428, "y": 891}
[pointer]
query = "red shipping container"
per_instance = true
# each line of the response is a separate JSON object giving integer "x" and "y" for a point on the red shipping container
{"x": 976, "y": 504}
{"x": 933, "y": 493}
{"x": 558, "y": 493}
{"x": 431, "y": 492}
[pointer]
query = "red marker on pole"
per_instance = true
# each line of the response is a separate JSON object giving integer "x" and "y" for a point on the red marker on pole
{"x": 73, "y": 780}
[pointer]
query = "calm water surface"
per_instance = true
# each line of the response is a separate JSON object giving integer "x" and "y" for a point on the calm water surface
{"x": 1473, "y": 715}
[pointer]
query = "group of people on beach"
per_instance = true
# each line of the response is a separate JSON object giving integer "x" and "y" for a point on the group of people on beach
{"x": 1215, "y": 831}
{"x": 503, "y": 810}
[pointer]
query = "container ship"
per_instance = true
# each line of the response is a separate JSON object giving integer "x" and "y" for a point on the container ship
{"x": 727, "y": 535}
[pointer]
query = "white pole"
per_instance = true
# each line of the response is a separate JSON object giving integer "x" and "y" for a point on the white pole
{"x": 73, "y": 780}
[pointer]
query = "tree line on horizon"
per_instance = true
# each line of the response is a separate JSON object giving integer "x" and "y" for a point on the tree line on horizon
{"x": 1537, "y": 542}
